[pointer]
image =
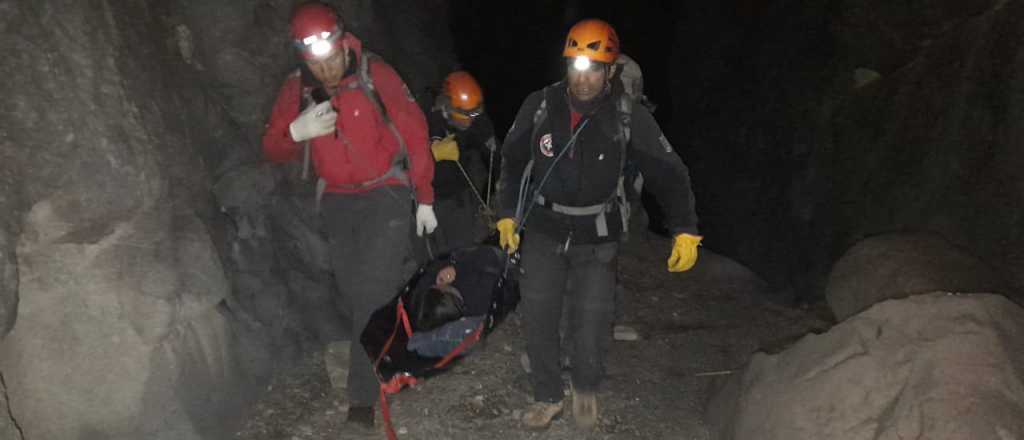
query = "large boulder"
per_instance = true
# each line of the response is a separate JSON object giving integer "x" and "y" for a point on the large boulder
{"x": 898, "y": 265}
{"x": 935, "y": 366}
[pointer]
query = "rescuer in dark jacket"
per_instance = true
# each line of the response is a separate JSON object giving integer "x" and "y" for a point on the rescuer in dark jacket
{"x": 465, "y": 151}
{"x": 573, "y": 138}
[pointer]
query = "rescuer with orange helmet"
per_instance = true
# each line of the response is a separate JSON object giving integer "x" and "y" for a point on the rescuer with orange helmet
{"x": 466, "y": 155}
{"x": 562, "y": 178}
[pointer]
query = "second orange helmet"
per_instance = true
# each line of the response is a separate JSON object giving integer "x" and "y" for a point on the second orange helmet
{"x": 463, "y": 91}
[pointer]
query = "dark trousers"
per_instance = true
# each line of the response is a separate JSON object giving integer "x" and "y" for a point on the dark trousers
{"x": 370, "y": 256}
{"x": 547, "y": 265}
{"x": 458, "y": 224}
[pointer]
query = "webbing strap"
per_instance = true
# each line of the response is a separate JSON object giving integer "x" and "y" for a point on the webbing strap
{"x": 467, "y": 342}
{"x": 400, "y": 317}
{"x": 575, "y": 211}
{"x": 402, "y": 380}
{"x": 601, "y": 220}
{"x": 393, "y": 386}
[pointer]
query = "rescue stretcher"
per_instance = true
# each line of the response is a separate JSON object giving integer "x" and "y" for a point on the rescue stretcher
{"x": 390, "y": 329}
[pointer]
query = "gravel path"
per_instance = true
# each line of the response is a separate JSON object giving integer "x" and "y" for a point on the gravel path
{"x": 696, "y": 328}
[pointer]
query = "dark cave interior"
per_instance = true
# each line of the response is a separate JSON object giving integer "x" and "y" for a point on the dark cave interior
{"x": 842, "y": 152}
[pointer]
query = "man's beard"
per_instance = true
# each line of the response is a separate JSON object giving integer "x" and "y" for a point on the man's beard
{"x": 589, "y": 106}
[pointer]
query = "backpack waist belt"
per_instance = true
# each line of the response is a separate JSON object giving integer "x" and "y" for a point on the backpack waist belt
{"x": 599, "y": 210}
{"x": 396, "y": 171}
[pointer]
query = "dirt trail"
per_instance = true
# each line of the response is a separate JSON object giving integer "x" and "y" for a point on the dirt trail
{"x": 696, "y": 327}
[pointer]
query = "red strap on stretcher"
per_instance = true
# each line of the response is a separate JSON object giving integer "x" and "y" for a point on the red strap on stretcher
{"x": 467, "y": 342}
{"x": 402, "y": 380}
{"x": 397, "y": 381}
{"x": 402, "y": 317}
{"x": 393, "y": 386}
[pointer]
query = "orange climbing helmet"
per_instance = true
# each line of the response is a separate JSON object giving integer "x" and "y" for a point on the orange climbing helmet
{"x": 316, "y": 30}
{"x": 593, "y": 39}
{"x": 465, "y": 98}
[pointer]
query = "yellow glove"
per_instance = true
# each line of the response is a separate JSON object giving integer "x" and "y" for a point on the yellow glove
{"x": 684, "y": 253}
{"x": 446, "y": 149}
{"x": 507, "y": 236}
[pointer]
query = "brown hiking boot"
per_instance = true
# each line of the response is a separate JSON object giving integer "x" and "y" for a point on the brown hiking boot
{"x": 584, "y": 409}
{"x": 540, "y": 414}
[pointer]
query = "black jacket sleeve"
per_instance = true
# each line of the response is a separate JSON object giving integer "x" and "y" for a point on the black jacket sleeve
{"x": 515, "y": 154}
{"x": 665, "y": 174}
{"x": 478, "y": 144}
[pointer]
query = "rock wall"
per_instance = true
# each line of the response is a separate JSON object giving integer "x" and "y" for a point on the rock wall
{"x": 134, "y": 301}
{"x": 811, "y": 125}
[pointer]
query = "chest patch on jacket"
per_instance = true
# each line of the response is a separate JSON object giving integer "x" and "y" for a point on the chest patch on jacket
{"x": 545, "y": 146}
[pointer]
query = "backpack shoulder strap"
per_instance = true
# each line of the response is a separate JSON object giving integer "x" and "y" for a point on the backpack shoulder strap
{"x": 365, "y": 83}
{"x": 625, "y": 110}
{"x": 399, "y": 163}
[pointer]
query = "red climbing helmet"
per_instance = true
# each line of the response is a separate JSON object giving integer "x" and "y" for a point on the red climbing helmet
{"x": 316, "y": 30}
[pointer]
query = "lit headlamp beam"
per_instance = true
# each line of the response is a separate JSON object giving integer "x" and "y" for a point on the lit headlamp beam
{"x": 320, "y": 48}
{"x": 581, "y": 63}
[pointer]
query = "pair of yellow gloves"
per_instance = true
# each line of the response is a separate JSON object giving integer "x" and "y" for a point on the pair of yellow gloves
{"x": 684, "y": 248}
{"x": 445, "y": 149}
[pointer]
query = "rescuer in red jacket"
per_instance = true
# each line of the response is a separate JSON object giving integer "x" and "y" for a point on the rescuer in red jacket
{"x": 350, "y": 113}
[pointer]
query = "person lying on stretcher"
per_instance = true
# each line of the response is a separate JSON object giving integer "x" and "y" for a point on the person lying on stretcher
{"x": 452, "y": 298}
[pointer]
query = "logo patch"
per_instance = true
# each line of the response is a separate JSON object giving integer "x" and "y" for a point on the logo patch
{"x": 545, "y": 146}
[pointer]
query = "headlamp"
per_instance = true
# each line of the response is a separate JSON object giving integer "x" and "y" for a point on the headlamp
{"x": 319, "y": 45}
{"x": 320, "y": 48}
{"x": 581, "y": 63}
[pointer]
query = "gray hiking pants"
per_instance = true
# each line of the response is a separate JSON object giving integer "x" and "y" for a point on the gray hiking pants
{"x": 368, "y": 235}
{"x": 546, "y": 267}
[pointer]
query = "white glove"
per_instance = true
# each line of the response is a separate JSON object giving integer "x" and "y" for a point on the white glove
{"x": 315, "y": 121}
{"x": 425, "y": 219}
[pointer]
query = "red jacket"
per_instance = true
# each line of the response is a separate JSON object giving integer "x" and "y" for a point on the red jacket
{"x": 362, "y": 147}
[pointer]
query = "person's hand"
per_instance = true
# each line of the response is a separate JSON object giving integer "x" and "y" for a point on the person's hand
{"x": 507, "y": 236}
{"x": 315, "y": 121}
{"x": 426, "y": 221}
{"x": 684, "y": 253}
{"x": 446, "y": 149}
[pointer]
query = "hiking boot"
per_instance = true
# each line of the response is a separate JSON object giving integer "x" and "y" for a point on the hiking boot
{"x": 539, "y": 415}
{"x": 361, "y": 416}
{"x": 584, "y": 409}
{"x": 336, "y": 362}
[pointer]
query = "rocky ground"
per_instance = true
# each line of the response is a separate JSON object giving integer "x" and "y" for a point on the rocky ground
{"x": 696, "y": 328}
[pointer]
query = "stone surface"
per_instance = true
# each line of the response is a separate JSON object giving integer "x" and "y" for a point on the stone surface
{"x": 937, "y": 366}
{"x": 898, "y": 265}
{"x": 152, "y": 269}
